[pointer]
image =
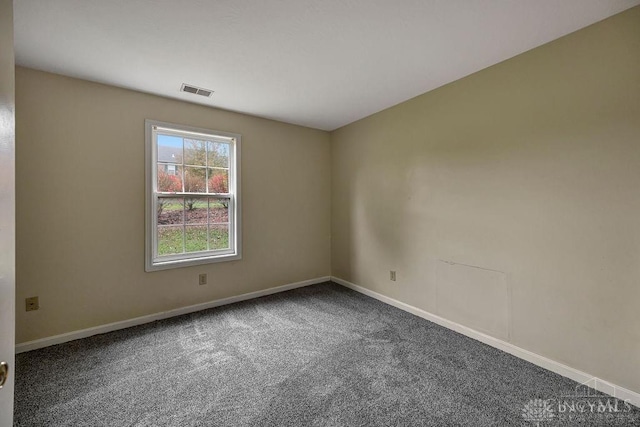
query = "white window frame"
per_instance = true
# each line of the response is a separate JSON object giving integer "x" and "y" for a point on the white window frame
{"x": 153, "y": 262}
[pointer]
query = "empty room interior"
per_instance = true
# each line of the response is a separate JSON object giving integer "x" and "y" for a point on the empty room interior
{"x": 338, "y": 213}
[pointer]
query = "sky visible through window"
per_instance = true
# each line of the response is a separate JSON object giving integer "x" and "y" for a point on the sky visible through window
{"x": 169, "y": 141}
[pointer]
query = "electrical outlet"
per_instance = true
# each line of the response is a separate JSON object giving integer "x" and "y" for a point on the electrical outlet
{"x": 202, "y": 279}
{"x": 392, "y": 275}
{"x": 31, "y": 304}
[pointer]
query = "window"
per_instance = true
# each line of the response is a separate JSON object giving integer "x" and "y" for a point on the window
{"x": 193, "y": 197}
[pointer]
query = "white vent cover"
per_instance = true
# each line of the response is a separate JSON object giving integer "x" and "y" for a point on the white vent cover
{"x": 196, "y": 90}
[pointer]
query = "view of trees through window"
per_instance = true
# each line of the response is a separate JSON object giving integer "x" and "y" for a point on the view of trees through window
{"x": 192, "y": 192}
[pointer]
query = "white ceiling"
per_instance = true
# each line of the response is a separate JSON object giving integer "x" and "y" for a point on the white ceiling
{"x": 317, "y": 63}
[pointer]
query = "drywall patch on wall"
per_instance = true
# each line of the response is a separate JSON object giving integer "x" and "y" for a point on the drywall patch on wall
{"x": 473, "y": 296}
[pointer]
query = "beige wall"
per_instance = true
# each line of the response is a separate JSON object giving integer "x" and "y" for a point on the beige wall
{"x": 7, "y": 204}
{"x": 507, "y": 201}
{"x": 529, "y": 170}
{"x": 80, "y": 205}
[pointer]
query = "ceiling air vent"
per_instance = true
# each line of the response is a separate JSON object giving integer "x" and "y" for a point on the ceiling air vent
{"x": 196, "y": 90}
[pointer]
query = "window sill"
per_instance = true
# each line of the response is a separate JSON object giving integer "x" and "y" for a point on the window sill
{"x": 180, "y": 263}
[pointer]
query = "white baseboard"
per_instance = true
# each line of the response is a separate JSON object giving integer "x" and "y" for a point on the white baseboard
{"x": 551, "y": 365}
{"x": 84, "y": 333}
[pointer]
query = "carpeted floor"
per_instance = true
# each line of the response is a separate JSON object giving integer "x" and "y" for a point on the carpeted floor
{"x": 317, "y": 356}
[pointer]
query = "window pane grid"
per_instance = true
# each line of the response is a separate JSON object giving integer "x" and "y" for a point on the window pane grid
{"x": 196, "y": 174}
{"x": 216, "y": 177}
{"x": 196, "y": 233}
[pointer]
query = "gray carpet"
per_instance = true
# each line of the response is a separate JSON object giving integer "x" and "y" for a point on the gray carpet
{"x": 316, "y": 356}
